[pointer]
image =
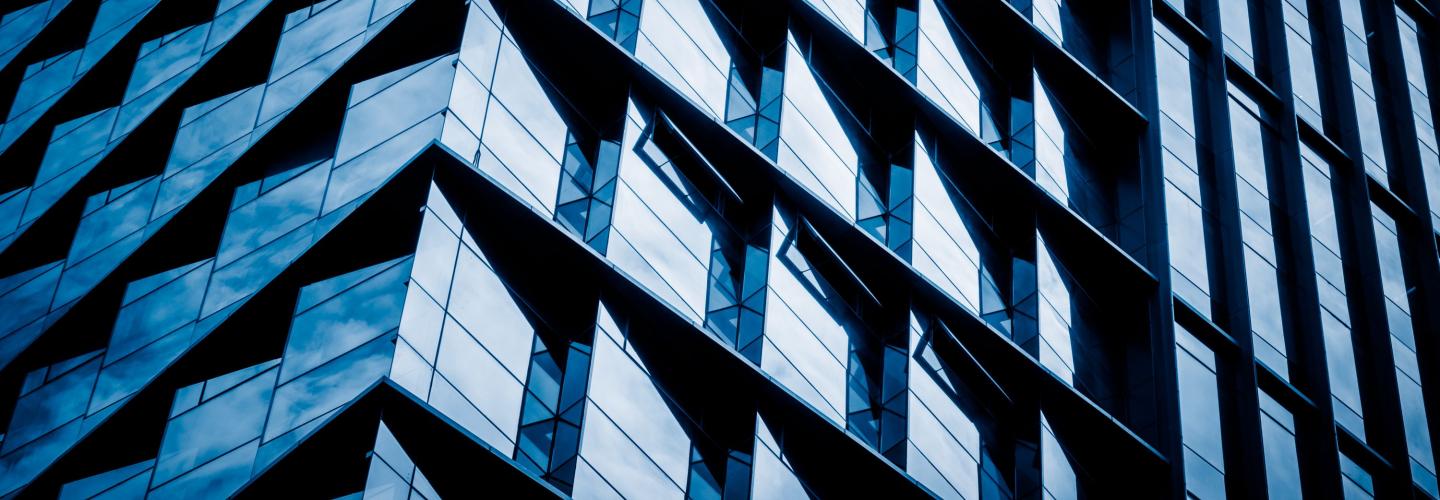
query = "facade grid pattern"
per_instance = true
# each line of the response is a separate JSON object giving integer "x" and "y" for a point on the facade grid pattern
{"x": 719, "y": 249}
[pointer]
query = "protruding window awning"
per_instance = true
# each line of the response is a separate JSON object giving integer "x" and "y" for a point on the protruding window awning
{"x": 686, "y": 157}
{"x": 829, "y": 262}
{"x": 950, "y": 349}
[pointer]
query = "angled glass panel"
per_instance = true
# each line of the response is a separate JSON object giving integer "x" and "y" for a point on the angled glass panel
{"x": 952, "y": 246}
{"x": 18, "y": 28}
{"x": 808, "y": 327}
{"x": 107, "y": 483}
{"x": 326, "y": 388}
{"x": 617, "y": 19}
{"x": 315, "y": 42}
{"x": 1056, "y": 320}
{"x": 848, "y": 14}
{"x": 1063, "y": 161}
{"x": 59, "y": 399}
{"x": 151, "y": 311}
{"x": 524, "y": 136}
{"x": 678, "y": 42}
{"x": 26, "y": 299}
{"x": 814, "y": 147}
{"x": 403, "y": 98}
{"x": 947, "y": 450}
{"x": 347, "y": 319}
{"x": 46, "y": 81}
{"x": 392, "y": 473}
{"x": 120, "y": 211}
{"x": 155, "y": 325}
{"x": 952, "y": 72}
{"x": 318, "y": 30}
{"x": 631, "y": 437}
{"x": 1356, "y": 482}
{"x": 221, "y": 476}
{"x": 481, "y": 302}
{"x": 218, "y": 425}
{"x": 47, "y": 419}
{"x": 1057, "y": 474}
{"x": 276, "y": 212}
{"x": 664, "y": 229}
{"x": 774, "y": 476}
{"x": 71, "y": 154}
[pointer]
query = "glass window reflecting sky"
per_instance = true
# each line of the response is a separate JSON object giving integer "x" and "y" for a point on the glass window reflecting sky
{"x": 719, "y": 249}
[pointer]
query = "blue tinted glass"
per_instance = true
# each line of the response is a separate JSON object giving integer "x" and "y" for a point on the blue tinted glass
{"x": 90, "y": 486}
{"x": 125, "y": 213}
{"x": 215, "y": 427}
{"x": 482, "y": 304}
{"x": 221, "y": 476}
{"x": 59, "y": 401}
{"x": 276, "y": 213}
{"x": 481, "y": 380}
{"x": 320, "y": 33}
{"x": 1200, "y": 417}
{"x": 28, "y": 300}
{"x": 158, "y": 312}
{"x": 424, "y": 90}
{"x": 329, "y": 386}
{"x": 632, "y": 406}
{"x": 346, "y": 321}
{"x": 815, "y": 148}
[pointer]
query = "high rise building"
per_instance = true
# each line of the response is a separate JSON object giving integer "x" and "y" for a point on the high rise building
{"x": 719, "y": 249}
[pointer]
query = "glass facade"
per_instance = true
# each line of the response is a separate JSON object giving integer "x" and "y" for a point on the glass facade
{"x": 718, "y": 249}
{"x": 1368, "y": 123}
{"x": 1201, "y": 430}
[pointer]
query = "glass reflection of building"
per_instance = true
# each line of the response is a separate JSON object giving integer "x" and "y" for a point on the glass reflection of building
{"x": 719, "y": 249}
